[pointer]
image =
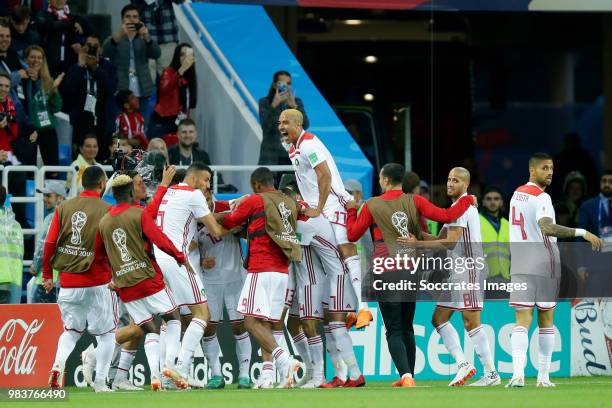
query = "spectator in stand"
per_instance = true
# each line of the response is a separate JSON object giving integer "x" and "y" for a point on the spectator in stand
{"x": 495, "y": 232}
{"x": 185, "y": 152}
{"x": 176, "y": 94}
{"x": 574, "y": 192}
{"x": 129, "y": 50}
{"x": 11, "y": 253}
{"x": 279, "y": 98}
{"x": 23, "y": 34}
{"x": 8, "y": 122}
{"x": 53, "y": 193}
{"x": 9, "y": 59}
{"x": 411, "y": 184}
{"x": 573, "y": 156}
{"x": 158, "y": 16}
{"x": 157, "y": 144}
{"x": 63, "y": 34}
{"x": 89, "y": 97}
{"x": 41, "y": 101}
{"x": 86, "y": 158}
{"x": 130, "y": 123}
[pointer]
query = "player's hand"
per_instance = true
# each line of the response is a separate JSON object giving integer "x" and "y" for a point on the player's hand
{"x": 208, "y": 262}
{"x": 352, "y": 204}
{"x": 474, "y": 200}
{"x": 47, "y": 285}
{"x": 187, "y": 266}
{"x": 236, "y": 230}
{"x": 407, "y": 241}
{"x": 112, "y": 286}
{"x": 193, "y": 245}
{"x": 32, "y": 270}
{"x": 167, "y": 176}
{"x": 595, "y": 241}
{"x": 312, "y": 212}
{"x": 238, "y": 201}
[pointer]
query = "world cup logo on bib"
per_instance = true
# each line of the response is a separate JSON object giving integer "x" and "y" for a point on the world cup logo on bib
{"x": 399, "y": 220}
{"x": 78, "y": 219}
{"x": 285, "y": 213}
{"x": 119, "y": 238}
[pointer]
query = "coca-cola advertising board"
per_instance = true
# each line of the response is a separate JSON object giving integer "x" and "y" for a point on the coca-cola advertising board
{"x": 28, "y": 340}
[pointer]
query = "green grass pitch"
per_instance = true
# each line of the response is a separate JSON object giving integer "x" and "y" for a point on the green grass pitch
{"x": 570, "y": 392}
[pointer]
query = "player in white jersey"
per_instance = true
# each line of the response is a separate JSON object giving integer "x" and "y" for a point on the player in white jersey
{"x": 321, "y": 187}
{"x": 182, "y": 207}
{"x": 536, "y": 265}
{"x": 223, "y": 276}
{"x": 319, "y": 279}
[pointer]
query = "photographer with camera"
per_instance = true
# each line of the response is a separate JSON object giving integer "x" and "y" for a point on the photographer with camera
{"x": 89, "y": 98}
{"x": 63, "y": 34}
{"x": 280, "y": 97}
{"x": 129, "y": 50}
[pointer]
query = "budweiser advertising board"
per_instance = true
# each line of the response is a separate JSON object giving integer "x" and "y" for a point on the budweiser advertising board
{"x": 28, "y": 340}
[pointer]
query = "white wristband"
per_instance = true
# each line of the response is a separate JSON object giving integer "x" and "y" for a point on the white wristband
{"x": 579, "y": 232}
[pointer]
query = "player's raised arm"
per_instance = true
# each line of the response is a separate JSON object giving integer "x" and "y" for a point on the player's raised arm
{"x": 549, "y": 228}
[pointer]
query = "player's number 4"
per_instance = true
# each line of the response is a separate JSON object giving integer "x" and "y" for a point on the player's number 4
{"x": 520, "y": 221}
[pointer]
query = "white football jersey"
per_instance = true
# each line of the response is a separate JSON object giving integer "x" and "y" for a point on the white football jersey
{"x": 307, "y": 154}
{"x": 469, "y": 244}
{"x": 532, "y": 252}
{"x": 228, "y": 257}
{"x": 177, "y": 217}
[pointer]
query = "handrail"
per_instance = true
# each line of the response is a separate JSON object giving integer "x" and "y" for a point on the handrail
{"x": 234, "y": 78}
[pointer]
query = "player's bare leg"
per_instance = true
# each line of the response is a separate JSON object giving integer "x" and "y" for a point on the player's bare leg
{"x": 262, "y": 332}
{"x": 353, "y": 264}
{"x": 243, "y": 352}
{"x": 311, "y": 328}
{"x": 212, "y": 349}
{"x": 546, "y": 344}
{"x": 519, "y": 343}
{"x": 472, "y": 324}
{"x": 344, "y": 345}
{"x": 300, "y": 342}
{"x": 450, "y": 338}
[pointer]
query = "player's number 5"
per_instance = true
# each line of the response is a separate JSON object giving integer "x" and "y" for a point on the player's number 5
{"x": 520, "y": 221}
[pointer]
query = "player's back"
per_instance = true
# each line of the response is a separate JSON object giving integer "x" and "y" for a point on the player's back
{"x": 532, "y": 252}
{"x": 177, "y": 216}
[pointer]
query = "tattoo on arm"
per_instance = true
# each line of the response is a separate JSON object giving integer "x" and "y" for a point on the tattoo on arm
{"x": 549, "y": 228}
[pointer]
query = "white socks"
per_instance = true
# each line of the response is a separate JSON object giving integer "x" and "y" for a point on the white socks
{"x": 451, "y": 341}
{"x": 191, "y": 338}
{"x": 546, "y": 343}
{"x": 315, "y": 346}
{"x": 301, "y": 346}
{"x": 340, "y": 369}
{"x": 211, "y": 348}
{"x": 125, "y": 362}
{"x": 65, "y": 345}
{"x": 172, "y": 340}
{"x": 519, "y": 343}
{"x": 353, "y": 264}
{"x": 151, "y": 347}
{"x": 482, "y": 347}
{"x": 345, "y": 347}
{"x": 243, "y": 352}
{"x": 162, "y": 346}
{"x": 281, "y": 358}
{"x": 104, "y": 355}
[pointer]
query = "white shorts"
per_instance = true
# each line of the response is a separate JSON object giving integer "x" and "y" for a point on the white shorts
{"x": 464, "y": 300}
{"x": 540, "y": 292}
{"x": 263, "y": 295}
{"x": 291, "y": 300}
{"x": 342, "y": 297}
{"x": 329, "y": 256}
{"x": 186, "y": 287}
{"x": 94, "y": 308}
{"x": 224, "y": 294}
{"x": 312, "y": 285}
{"x": 145, "y": 309}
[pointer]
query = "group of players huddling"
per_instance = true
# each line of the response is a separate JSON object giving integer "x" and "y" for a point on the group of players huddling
{"x": 176, "y": 263}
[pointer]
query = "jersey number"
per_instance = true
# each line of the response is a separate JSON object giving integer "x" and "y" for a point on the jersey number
{"x": 340, "y": 217}
{"x": 213, "y": 239}
{"x": 520, "y": 221}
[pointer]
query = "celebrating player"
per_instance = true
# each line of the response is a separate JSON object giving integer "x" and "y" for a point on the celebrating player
{"x": 223, "y": 277}
{"x": 321, "y": 187}
{"x": 74, "y": 247}
{"x": 272, "y": 244}
{"x": 536, "y": 264}
{"x": 181, "y": 209}
{"x": 127, "y": 232}
{"x": 382, "y": 211}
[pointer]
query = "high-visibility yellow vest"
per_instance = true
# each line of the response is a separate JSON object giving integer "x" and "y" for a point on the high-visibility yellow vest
{"x": 11, "y": 250}
{"x": 496, "y": 247}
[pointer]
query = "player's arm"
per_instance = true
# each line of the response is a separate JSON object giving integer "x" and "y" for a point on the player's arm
{"x": 324, "y": 179}
{"x": 445, "y": 215}
{"x": 213, "y": 226}
{"x": 157, "y": 237}
{"x": 447, "y": 240}
{"x": 357, "y": 225}
{"x": 549, "y": 228}
{"x": 242, "y": 212}
{"x": 153, "y": 207}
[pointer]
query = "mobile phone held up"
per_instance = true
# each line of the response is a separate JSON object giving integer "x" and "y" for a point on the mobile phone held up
{"x": 137, "y": 26}
{"x": 282, "y": 87}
